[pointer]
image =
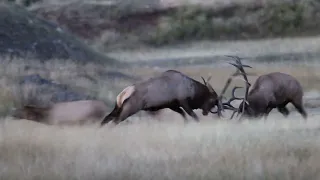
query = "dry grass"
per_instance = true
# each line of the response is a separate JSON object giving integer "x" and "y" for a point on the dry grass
{"x": 165, "y": 149}
{"x": 275, "y": 149}
{"x": 243, "y": 48}
{"x": 307, "y": 74}
{"x": 88, "y": 79}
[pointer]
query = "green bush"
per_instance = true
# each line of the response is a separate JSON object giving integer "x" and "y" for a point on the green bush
{"x": 26, "y": 2}
{"x": 238, "y": 22}
{"x": 283, "y": 19}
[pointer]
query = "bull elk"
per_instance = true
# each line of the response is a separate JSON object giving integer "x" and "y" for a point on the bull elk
{"x": 272, "y": 90}
{"x": 64, "y": 113}
{"x": 171, "y": 89}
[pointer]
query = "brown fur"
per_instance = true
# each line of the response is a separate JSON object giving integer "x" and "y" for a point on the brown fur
{"x": 272, "y": 90}
{"x": 66, "y": 113}
{"x": 171, "y": 89}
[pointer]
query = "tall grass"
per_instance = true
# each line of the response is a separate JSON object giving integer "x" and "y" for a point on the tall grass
{"x": 275, "y": 149}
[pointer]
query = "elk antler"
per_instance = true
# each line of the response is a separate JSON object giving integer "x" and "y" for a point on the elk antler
{"x": 204, "y": 81}
{"x": 240, "y": 71}
{"x": 219, "y": 105}
{"x": 240, "y": 66}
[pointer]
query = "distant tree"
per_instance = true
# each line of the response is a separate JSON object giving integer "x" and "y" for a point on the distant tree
{"x": 25, "y": 2}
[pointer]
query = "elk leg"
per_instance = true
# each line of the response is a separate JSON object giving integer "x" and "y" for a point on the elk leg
{"x": 127, "y": 110}
{"x": 187, "y": 108}
{"x": 283, "y": 110}
{"x": 266, "y": 114}
{"x": 114, "y": 113}
{"x": 300, "y": 108}
{"x": 180, "y": 111}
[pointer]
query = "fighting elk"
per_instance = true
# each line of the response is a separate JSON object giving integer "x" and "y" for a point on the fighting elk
{"x": 272, "y": 90}
{"x": 171, "y": 89}
{"x": 64, "y": 113}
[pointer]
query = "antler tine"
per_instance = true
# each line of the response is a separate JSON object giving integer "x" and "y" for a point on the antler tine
{"x": 219, "y": 105}
{"x": 239, "y": 64}
{"x": 231, "y": 77}
{"x": 233, "y": 96}
{"x": 204, "y": 81}
{"x": 208, "y": 84}
{"x": 227, "y": 105}
{"x": 240, "y": 71}
{"x": 209, "y": 78}
{"x": 243, "y": 73}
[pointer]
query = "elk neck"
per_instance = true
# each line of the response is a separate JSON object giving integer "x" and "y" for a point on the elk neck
{"x": 201, "y": 94}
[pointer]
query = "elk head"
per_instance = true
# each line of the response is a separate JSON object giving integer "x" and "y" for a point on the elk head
{"x": 212, "y": 100}
{"x": 30, "y": 112}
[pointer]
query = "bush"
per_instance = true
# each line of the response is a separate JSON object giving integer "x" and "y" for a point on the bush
{"x": 236, "y": 22}
{"x": 26, "y": 3}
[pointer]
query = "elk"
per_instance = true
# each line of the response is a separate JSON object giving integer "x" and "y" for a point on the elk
{"x": 272, "y": 90}
{"x": 64, "y": 113}
{"x": 171, "y": 89}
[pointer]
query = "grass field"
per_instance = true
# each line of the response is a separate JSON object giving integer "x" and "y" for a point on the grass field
{"x": 274, "y": 149}
{"x": 90, "y": 79}
{"x": 163, "y": 147}
{"x": 160, "y": 148}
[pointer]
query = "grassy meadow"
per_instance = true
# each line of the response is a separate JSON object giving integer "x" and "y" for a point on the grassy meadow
{"x": 275, "y": 149}
{"x": 163, "y": 147}
{"x": 155, "y": 148}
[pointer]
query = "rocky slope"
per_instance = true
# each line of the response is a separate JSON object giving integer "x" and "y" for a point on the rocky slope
{"x": 23, "y": 34}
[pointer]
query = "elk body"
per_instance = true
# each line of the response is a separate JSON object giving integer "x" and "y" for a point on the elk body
{"x": 65, "y": 113}
{"x": 272, "y": 90}
{"x": 171, "y": 89}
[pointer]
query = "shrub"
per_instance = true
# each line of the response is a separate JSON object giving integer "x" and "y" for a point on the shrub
{"x": 235, "y": 22}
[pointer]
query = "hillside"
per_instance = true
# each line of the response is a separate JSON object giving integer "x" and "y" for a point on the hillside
{"x": 24, "y": 35}
{"x": 122, "y": 24}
